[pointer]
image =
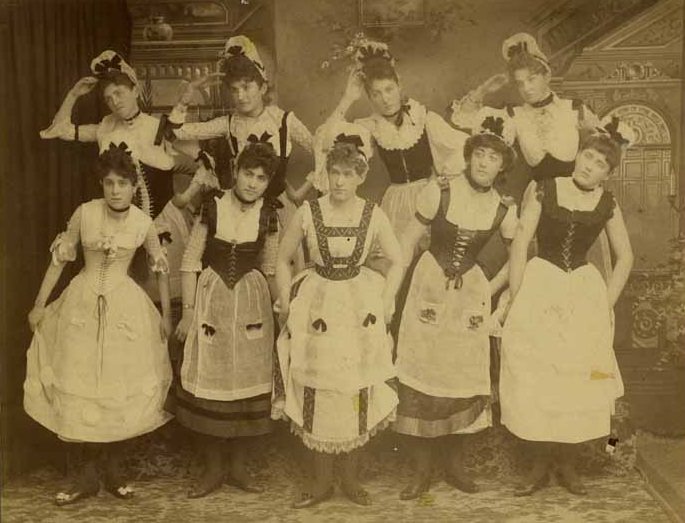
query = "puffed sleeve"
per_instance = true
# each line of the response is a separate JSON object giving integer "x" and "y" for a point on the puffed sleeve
{"x": 300, "y": 134}
{"x": 156, "y": 257}
{"x": 447, "y": 145}
{"x": 215, "y": 128}
{"x": 195, "y": 248}
{"x": 508, "y": 226}
{"x": 427, "y": 202}
{"x": 63, "y": 248}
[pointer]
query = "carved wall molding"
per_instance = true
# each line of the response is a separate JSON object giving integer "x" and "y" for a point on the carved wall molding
{"x": 659, "y": 33}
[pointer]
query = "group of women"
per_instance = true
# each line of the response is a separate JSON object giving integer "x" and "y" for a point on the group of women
{"x": 318, "y": 307}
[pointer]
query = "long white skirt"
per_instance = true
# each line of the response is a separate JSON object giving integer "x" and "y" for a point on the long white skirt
{"x": 559, "y": 377}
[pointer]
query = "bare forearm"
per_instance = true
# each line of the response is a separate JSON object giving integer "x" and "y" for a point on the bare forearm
{"x": 618, "y": 278}
{"x": 500, "y": 279}
{"x": 163, "y": 284}
{"x": 50, "y": 279}
{"x": 517, "y": 264}
{"x": 393, "y": 280}
{"x": 283, "y": 280}
{"x": 188, "y": 287}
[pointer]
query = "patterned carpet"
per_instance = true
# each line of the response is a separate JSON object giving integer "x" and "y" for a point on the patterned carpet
{"x": 163, "y": 465}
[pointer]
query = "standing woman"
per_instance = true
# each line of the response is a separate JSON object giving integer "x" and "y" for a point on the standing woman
{"x": 413, "y": 142}
{"x": 334, "y": 351}
{"x": 97, "y": 369}
{"x": 252, "y": 120}
{"x": 224, "y": 394}
{"x": 548, "y": 128}
{"x": 443, "y": 348}
{"x": 559, "y": 377}
{"x": 143, "y": 133}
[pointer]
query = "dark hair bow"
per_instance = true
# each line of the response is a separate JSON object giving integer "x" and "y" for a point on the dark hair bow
{"x": 236, "y": 50}
{"x": 208, "y": 330}
{"x": 369, "y": 52}
{"x": 264, "y": 138}
{"x": 612, "y": 130}
{"x": 122, "y": 147}
{"x": 106, "y": 65}
{"x": 495, "y": 125}
{"x": 352, "y": 139}
{"x": 520, "y": 47}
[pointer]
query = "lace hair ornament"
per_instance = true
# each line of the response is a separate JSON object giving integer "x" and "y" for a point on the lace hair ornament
{"x": 524, "y": 43}
{"x": 109, "y": 62}
{"x": 241, "y": 45}
{"x": 619, "y": 131}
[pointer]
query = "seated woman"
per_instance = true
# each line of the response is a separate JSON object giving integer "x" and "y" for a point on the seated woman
{"x": 559, "y": 378}
{"x": 97, "y": 369}
{"x": 443, "y": 348}
{"x": 334, "y": 352}
{"x": 224, "y": 394}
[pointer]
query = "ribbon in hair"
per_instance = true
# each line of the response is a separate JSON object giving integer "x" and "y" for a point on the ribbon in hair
{"x": 264, "y": 138}
{"x": 122, "y": 147}
{"x": 352, "y": 139}
{"x": 494, "y": 125}
{"x": 519, "y": 47}
{"x": 108, "y": 64}
{"x": 611, "y": 129}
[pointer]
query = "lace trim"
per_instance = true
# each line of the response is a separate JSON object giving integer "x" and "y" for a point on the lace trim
{"x": 62, "y": 249}
{"x": 391, "y": 137}
{"x": 339, "y": 447}
{"x": 268, "y": 121}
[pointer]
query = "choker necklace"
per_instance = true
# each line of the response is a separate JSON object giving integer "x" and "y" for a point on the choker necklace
{"x": 130, "y": 119}
{"x": 118, "y": 210}
{"x": 580, "y": 187}
{"x": 477, "y": 187}
{"x": 544, "y": 102}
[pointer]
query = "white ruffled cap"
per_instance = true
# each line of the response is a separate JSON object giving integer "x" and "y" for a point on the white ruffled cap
{"x": 240, "y": 44}
{"x": 495, "y": 122}
{"x": 618, "y": 130}
{"x": 112, "y": 61}
{"x": 527, "y": 43}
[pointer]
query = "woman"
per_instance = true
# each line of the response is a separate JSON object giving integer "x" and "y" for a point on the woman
{"x": 252, "y": 119}
{"x": 97, "y": 369}
{"x": 548, "y": 128}
{"x": 559, "y": 377}
{"x": 227, "y": 323}
{"x": 334, "y": 352}
{"x": 413, "y": 142}
{"x": 443, "y": 348}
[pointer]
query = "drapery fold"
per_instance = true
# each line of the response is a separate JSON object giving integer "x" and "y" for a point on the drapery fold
{"x": 45, "y": 47}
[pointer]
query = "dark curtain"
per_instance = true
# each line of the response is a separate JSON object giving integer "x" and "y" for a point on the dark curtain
{"x": 46, "y": 46}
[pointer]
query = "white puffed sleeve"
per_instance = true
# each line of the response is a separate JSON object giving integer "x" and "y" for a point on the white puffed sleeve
{"x": 63, "y": 248}
{"x": 447, "y": 145}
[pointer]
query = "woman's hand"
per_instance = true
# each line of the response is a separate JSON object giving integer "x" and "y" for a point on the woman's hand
{"x": 184, "y": 325}
{"x": 83, "y": 86}
{"x": 35, "y": 317}
{"x": 189, "y": 88}
{"x": 355, "y": 86}
{"x": 165, "y": 328}
{"x": 205, "y": 178}
{"x": 388, "y": 309}
{"x": 281, "y": 311}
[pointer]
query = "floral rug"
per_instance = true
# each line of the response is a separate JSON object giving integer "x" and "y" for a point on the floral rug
{"x": 163, "y": 465}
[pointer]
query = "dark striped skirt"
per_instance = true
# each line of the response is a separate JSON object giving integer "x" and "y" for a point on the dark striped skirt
{"x": 223, "y": 419}
{"x": 427, "y": 416}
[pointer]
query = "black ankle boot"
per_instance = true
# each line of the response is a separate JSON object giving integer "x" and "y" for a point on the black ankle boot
{"x": 538, "y": 476}
{"x": 567, "y": 454}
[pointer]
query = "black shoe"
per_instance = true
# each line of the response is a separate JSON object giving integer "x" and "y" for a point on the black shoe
{"x": 461, "y": 482}
{"x": 72, "y": 496}
{"x": 571, "y": 482}
{"x": 531, "y": 485}
{"x": 356, "y": 494}
{"x": 205, "y": 486}
{"x": 122, "y": 491}
{"x": 416, "y": 489}
{"x": 307, "y": 499}
{"x": 244, "y": 484}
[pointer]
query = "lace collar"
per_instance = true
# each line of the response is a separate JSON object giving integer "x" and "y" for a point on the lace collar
{"x": 389, "y": 136}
